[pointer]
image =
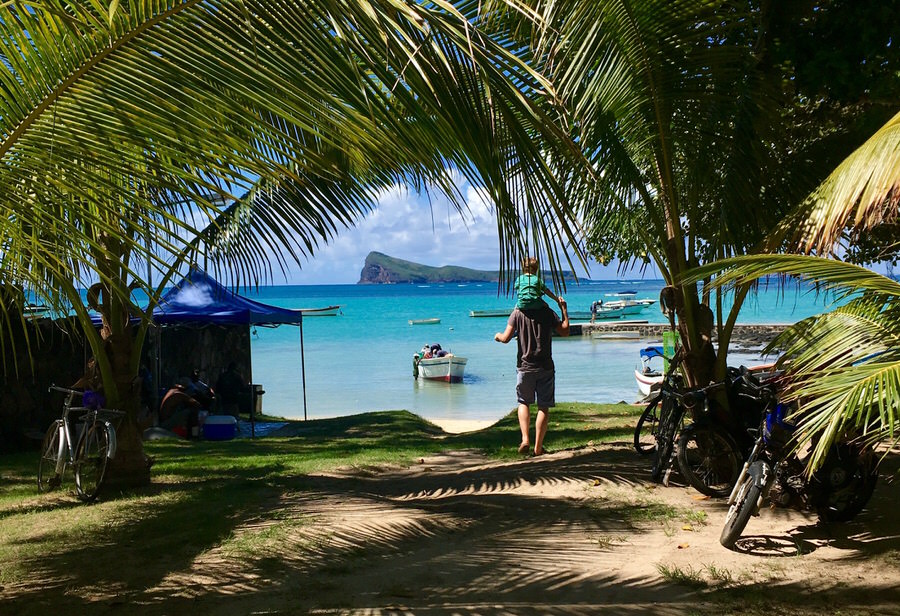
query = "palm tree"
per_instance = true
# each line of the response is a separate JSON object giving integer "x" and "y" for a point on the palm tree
{"x": 699, "y": 141}
{"x": 125, "y": 127}
{"x": 845, "y": 363}
{"x": 678, "y": 108}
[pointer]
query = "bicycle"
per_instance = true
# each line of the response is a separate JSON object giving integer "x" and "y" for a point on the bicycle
{"x": 710, "y": 450}
{"x": 90, "y": 454}
{"x": 714, "y": 469}
{"x": 666, "y": 424}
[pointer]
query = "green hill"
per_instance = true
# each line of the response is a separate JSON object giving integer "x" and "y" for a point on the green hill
{"x": 380, "y": 268}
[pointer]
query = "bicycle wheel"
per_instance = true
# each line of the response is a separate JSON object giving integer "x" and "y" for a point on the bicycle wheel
{"x": 670, "y": 417}
{"x": 740, "y": 511}
{"x": 708, "y": 459}
{"x": 645, "y": 430}
{"x": 91, "y": 458}
{"x": 47, "y": 478}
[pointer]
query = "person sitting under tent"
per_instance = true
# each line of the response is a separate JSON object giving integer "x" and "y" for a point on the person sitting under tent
{"x": 180, "y": 412}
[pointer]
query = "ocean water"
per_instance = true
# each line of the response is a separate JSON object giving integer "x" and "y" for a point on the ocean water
{"x": 361, "y": 360}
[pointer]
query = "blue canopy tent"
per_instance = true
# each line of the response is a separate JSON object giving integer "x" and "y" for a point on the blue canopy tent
{"x": 199, "y": 300}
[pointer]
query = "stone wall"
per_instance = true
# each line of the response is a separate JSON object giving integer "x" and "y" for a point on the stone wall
{"x": 57, "y": 356}
{"x": 744, "y": 336}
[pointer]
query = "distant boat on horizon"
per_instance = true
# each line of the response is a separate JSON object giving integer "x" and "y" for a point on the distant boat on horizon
{"x": 326, "y": 311}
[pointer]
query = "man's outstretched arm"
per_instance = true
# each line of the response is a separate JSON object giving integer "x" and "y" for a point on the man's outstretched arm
{"x": 563, "y": 328}
{"x": 506, "y": 335}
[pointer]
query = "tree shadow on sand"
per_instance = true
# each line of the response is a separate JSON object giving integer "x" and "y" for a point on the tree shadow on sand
{"x": 455, "y": 534}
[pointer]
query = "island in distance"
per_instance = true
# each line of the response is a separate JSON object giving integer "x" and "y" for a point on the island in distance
{"x": 380, "y": 268}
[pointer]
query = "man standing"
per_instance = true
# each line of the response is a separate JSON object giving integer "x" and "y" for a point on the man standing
{"x": 535, "y": 372}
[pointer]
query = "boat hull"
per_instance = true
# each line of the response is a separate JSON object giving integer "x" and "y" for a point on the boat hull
{"x": 424, "y": 321}
{"x": 449, "y": 368}
{"x": 490, "y": 313}
{"x": 646, "y": 382}
{"x": 327, "y": 311}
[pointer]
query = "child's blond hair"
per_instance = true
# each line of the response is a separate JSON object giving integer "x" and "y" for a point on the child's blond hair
{"x": 530, "y": 265}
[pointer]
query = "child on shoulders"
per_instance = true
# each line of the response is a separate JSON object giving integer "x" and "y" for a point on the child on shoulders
{"x": 530, "y": 289}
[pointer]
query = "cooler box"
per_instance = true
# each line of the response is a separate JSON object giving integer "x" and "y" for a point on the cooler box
{"x": 220, "y": 428}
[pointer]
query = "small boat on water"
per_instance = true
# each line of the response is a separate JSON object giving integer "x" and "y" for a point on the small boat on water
{"x": 434, "y": 321}
{"x": 604, "y": 312}
{"x": 618, "y": 308}
{"x": 326, "y": 311}
{"x": 35, "y": 311}
{"x": 490, "y": 313}
{"x": 625, "y": 334}
{"x": 435, "y": 364}
{"x": 649, "y": 378}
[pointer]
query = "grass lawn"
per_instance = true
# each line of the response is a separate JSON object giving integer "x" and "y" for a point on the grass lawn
{"x": 343, "y": 517}
{"x": 199, "y": 489}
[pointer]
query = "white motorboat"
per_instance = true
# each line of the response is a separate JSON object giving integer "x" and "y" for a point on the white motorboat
{"x": 449, "y": 368}
{"x": 648, "y": 378}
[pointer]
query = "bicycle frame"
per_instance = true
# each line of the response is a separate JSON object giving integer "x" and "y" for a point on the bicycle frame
{"x": 66, "y": 453}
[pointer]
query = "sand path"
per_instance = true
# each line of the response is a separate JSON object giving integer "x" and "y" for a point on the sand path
{"x": 572, "y": 532}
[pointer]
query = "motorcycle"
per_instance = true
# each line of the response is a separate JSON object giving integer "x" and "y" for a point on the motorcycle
{"x": 837, "y": 491}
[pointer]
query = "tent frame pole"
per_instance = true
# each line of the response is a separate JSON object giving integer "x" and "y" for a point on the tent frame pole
{"x": 303, "y": 368}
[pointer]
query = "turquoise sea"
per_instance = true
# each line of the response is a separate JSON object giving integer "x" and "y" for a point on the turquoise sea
{"x": 361, "y": 360}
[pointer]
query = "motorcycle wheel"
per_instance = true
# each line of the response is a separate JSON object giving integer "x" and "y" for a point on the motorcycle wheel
{"x": 709, "y": 460}
{"x": 848, "y": 480}
{"x": 740, "y": 511}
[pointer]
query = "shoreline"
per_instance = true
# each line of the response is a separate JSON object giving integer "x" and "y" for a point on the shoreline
{"x": 459, "y": 426}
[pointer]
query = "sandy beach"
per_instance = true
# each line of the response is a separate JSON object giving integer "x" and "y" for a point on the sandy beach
{"x": 458, "y": 426}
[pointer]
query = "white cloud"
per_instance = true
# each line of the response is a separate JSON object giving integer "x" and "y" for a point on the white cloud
{"x": 425, "y": 228}
{"x": 417, "y": 227}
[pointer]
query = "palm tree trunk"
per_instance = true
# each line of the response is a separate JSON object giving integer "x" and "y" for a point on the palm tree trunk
{"x": 130, "y": 466}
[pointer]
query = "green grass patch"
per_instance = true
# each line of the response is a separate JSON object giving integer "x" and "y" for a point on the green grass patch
{"x": 202, "y": 491}
{"x": 686, "y": 576}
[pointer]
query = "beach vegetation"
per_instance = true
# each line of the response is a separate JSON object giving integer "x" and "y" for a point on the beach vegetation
{"x": 201, "y": 487}
{"x": 707, "y": 122}
{"x": 137, "y": 138}
{"x": 844, "y": 364}
{"x": 687, "y": 575}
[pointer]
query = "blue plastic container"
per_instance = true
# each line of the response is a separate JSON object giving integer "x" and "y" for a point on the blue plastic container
{"x": 220, "y": 428}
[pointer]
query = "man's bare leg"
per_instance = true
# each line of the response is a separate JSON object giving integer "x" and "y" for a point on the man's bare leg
{"x": 524, "y": 423}
{"x": 540, "y": 430}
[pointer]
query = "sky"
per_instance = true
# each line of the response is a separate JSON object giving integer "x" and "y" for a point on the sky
{"x": 424, "y": 229}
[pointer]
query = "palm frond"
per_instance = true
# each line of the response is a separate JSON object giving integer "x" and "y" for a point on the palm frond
{"x": 838, "y": 276}
{"x": 863, "y": 192}
{"x": 171, "y": 102}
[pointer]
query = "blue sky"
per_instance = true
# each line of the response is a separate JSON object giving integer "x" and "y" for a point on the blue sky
{"x": 407, "y": 225}
{"x": 411, "y": 226}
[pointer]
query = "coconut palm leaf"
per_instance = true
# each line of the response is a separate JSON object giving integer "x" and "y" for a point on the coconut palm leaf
{"x": 182, "y": 104}
{"x": 861, "y": 193}
{"x": 833, "y": 275}
{"x": 844, "y": 364}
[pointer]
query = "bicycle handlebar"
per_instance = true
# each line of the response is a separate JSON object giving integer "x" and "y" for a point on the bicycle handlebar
{"x": 65, "y": 390}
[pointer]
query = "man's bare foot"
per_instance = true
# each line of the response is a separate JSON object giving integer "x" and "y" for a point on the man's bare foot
{"x": 539, "y": 452}
{"x": 523, "y": 448}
